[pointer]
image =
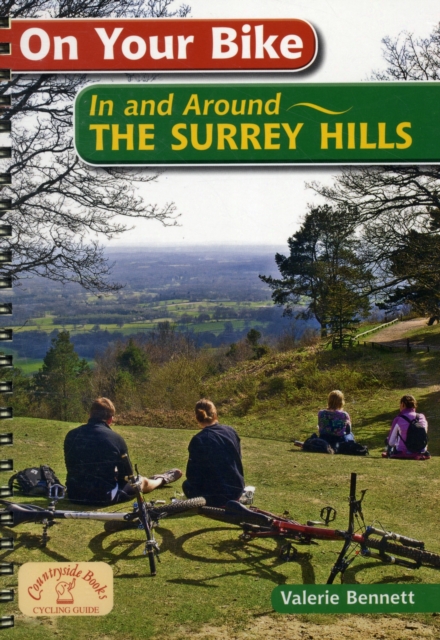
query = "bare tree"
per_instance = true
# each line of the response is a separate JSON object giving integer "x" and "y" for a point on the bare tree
{"x": 397, "y": 204}
{"x": 61, "y": 207}
{"x": 411, "y": 58}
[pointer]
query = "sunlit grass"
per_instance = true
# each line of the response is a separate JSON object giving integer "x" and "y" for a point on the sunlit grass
{"x": 207, "y": 575}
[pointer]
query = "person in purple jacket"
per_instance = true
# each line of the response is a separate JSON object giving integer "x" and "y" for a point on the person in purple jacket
{"x": 398, "y": 433}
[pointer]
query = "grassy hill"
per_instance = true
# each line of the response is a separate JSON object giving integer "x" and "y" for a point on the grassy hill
{"x": 212, "y": 585}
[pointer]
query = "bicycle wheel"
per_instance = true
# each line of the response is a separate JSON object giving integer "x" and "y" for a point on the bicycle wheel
{"x": 235, "y": 518}
{"x": 419, "y": 555}
{"x": 179, "y": 506}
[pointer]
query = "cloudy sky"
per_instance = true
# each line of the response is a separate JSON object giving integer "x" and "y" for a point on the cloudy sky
{"x": 263, "y": 206}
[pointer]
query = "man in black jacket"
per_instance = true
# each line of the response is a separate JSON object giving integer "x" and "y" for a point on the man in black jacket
{"x": 95, "y": 467}
{"x": 214, "y": 470}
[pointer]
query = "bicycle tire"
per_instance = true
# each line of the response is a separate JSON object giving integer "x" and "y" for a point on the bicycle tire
{"x": 419, "y": 555}
{"x": 179, "y": 506}
{"x": 217, "y": 513}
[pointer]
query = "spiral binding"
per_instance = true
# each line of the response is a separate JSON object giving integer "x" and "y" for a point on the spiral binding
{"x": 6, "y": 361}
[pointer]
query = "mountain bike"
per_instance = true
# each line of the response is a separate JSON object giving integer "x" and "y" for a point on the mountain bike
{"x": 358, "y": 538}
{"x": 145, "y": 515}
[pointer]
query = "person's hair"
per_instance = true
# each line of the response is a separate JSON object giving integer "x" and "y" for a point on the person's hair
{"x": 409, "y": 401}
{"x": 335, "y": 400}
{"x": 102, "y": 409}
{"x": 205, "y": 411}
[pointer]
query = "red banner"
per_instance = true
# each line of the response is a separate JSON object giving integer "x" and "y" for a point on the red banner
{"x": 71, "y": 46}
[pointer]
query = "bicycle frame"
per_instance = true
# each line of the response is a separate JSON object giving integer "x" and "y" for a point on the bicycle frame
{"x": 271, "y": 526}
{"x": 254, "y": 522}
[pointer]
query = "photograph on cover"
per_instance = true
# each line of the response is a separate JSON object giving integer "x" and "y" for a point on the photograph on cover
{"x": 186, "y": 340}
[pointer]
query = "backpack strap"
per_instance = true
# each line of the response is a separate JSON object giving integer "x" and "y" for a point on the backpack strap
{"x": 11, "y": 480}
{"x": 47, "y": 474}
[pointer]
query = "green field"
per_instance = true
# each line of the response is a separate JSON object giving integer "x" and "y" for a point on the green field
{"x": 170, "y": 311}
{"x": 208, "y": 579}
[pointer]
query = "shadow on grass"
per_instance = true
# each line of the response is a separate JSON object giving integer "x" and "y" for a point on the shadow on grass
{"x": 256, "y": 555}
{"x": 111, "y": 550}
{"x": 350, "y": 575}
{"x": 227, "y": 552}
{"x": 30, "y": 541}
{"x": 431, "y": 406}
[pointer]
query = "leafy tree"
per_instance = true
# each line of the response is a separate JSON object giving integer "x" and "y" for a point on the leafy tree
{"x": 418, "y": 259}
{"x": 63, "y": 383}
{"x": 23, "y": 398}
{"x": 60, "y": 205}
{"x": 398, "y": 207}
{"x": 324, "y": 270}
{"x": 253, "y": 337}
{"x": 344, "y": 311}
{"x": 133, "y": 360}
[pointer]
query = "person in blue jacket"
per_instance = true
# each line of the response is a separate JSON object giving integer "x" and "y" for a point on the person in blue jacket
{"x": 214, "y": 470}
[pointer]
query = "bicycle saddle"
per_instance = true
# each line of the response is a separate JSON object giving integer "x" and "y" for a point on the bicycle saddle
{"x": 237, "y": 509}
{"x": 25, "y": 512}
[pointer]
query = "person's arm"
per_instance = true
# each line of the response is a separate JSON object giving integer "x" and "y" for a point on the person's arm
{"x": 123, "y": 469}
{"x": 197, "y": 462}
{"x": 239, "y": 445}
{"x": 393, "y": 425}
{"x": 320, "y": 420}
{"x": 348, "y": 428}
{"x": 393, "y": 438}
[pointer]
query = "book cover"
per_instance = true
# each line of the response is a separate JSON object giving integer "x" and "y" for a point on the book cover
{"x": 253, "y": 220}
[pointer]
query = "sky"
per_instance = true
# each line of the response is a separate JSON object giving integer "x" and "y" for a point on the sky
{"x": 264, "y": 206}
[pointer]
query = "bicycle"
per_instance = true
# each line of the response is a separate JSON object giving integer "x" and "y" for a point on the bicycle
{"x": 145, "y": 515}
{"x": 387, "y": 545}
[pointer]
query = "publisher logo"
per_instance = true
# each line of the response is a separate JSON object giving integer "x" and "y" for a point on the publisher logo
{"x": 65, "y": 589}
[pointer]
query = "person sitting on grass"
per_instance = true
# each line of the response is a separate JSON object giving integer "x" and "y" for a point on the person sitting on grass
{"x": 214, "y": 470}
{"x": 334, "y": 423}
{"x": 397, "y": 439}
{"x": 95, "y": 467}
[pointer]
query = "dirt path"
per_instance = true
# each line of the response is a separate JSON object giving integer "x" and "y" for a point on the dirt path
{"x": 396, "y": 332}
{"x": 347, "y": 628}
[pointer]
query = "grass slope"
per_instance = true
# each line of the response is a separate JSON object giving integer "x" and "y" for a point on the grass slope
{"x": 209, "y": 584}
{"x": 279, "y": 396}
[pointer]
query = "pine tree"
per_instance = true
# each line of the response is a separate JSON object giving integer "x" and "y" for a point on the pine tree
{"x": 324, "y": 276}
{"x": 62, "y": 384}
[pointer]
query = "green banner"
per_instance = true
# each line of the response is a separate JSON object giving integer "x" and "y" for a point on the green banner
{"x": 156, "y": 124}
{"x": 355, "y": 598}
